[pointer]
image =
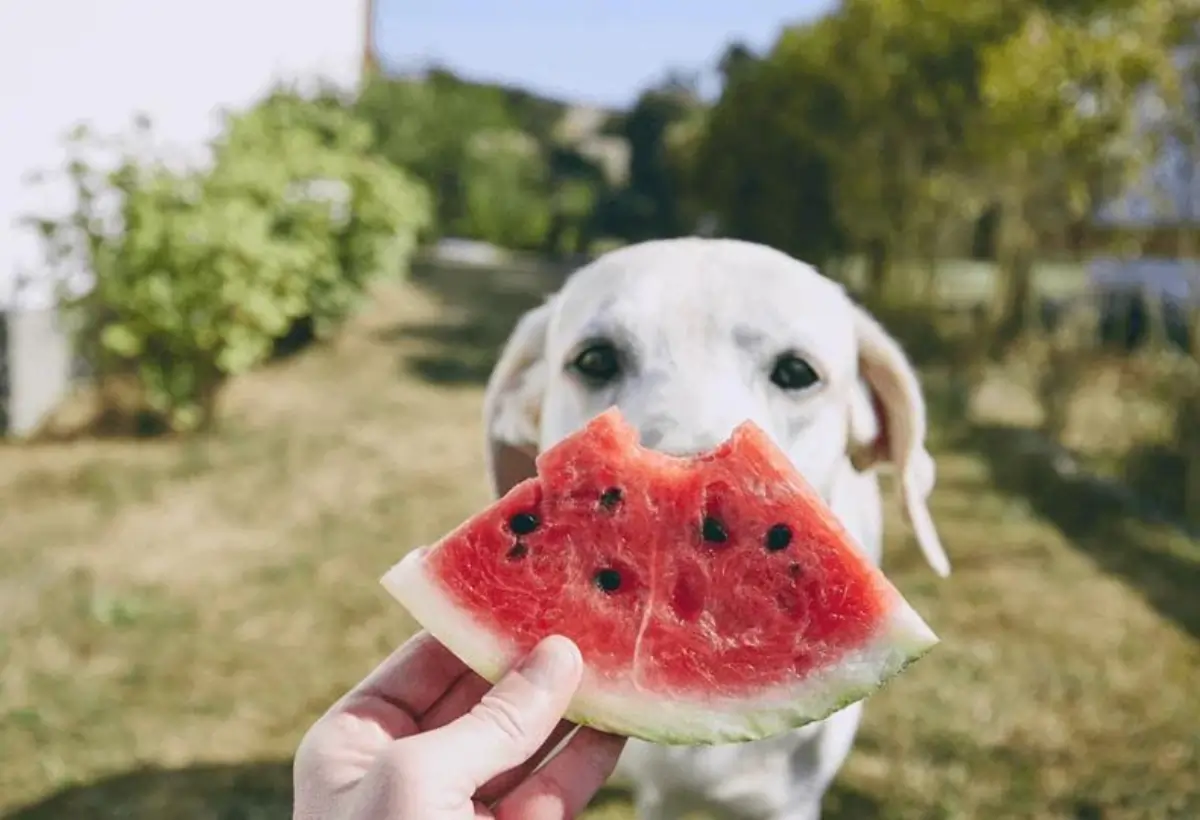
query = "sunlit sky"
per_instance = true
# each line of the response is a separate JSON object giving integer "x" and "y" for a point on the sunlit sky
{"x": 597, "y": 51}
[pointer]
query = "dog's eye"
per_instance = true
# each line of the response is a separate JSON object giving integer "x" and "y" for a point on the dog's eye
{"x": 793, "y": 373}
{"x": 599, "y": 363}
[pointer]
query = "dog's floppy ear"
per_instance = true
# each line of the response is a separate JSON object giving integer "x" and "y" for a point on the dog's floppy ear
{"x": 890, "y": 429}
{"x": 512, "y": 402}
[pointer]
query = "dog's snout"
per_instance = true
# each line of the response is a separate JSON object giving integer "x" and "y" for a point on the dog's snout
{"x": 675, "y": 440}
{"x": 682, "y": 452}
{"x": 651, "y": 437}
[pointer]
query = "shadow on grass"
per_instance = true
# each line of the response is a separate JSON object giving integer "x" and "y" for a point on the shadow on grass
{"x": 248, "y": 791}
{"x": 482, "y": 305}
{"x": 1150, "y": 555}
{"x": 844, "y": 803}
{"x": 1160, "y": 474}
{"x": 1124, "y": 528}
{"x": 263, "y": 791}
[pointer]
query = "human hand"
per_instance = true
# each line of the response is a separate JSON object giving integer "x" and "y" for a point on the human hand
{"x": 425, "y": 738}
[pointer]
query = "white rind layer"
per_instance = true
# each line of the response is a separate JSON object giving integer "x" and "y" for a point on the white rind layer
{"x": 626, "y": 709}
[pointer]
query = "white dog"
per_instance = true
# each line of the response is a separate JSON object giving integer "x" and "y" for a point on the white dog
{"x": 690, "y": 337}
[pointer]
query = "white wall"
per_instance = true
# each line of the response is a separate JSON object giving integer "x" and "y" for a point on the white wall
{"x": 62, "y": 61}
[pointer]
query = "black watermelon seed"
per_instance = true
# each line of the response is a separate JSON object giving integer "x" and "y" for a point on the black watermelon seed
{"x": 607, "y": 580}
{"x": 714, "y": 531}
{"x": 610, "y": 498}
{"x": 778, "y": 537}
{"x": 518, "y": 552}
{"x": 523, "y": 523}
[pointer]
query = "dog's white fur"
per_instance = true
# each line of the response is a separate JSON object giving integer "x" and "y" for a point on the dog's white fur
{"x": 699, "y": 323}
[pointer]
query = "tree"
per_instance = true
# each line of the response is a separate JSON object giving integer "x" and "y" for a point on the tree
{"x": 905, "y": 122}
{"x": 1062, "y": 126}
{"x": 842, "y": 132}
{"x": 504, "y": 190}
{"x": 648, "y": 205}
{"x": 426, "y": 126}
{"x": 578, "y": 186}
{"x": 736, "y": 57}
{"x": 760, "y": 165}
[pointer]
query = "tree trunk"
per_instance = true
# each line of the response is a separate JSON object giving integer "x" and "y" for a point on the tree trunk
{"x": 1015, "y": 295}
{"x": 1017, "y": 249}
{"x": 932, "y": 246}
{"x": 1191, "y": 490}
{"x": 929, "y": 288}
{"x": 552, "y": 243}
{"x": 1187, "y": 429}
{"x": 1156, "y": 320}
{"x": 1055, "y": 386}
{"x": 878, "y": 264}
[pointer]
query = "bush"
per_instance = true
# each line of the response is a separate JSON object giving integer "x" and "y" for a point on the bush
{"x": 371, "y": 212}
{"x": 197, "y": 272}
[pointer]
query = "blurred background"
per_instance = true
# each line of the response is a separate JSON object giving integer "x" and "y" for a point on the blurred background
{"x": 256, "y": 260}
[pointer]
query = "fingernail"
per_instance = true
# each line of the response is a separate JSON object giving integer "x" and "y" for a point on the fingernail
{"x": 553, "y": 664}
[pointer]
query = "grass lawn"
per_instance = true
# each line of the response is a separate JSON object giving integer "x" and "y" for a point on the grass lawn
{"x": 174, "y": 615}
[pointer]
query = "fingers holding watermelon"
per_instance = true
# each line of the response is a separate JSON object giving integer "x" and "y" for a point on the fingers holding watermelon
{"x": 424, "y": 737}
{"x": 564, "y": 786}
{"x": 509, "y": 724}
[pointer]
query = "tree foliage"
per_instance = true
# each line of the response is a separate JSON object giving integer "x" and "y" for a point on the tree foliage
{"x": 878, "y": 128}
{"x": 495, "y": 159}
{"x": 505, "y": 190}
{"x": 438, "y": 128}
{"x": 649, "y": 204}
{"x": 1064, "y": 125}
{"x": 761, "y": 168}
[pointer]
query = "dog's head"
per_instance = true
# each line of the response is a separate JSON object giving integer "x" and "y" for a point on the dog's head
{"x": 690, "y": 337}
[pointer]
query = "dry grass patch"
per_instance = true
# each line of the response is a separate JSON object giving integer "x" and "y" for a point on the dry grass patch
{"x": 176, "y": 614}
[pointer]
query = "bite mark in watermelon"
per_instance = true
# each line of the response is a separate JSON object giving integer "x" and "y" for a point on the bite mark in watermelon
{"x": 714, "y": 599}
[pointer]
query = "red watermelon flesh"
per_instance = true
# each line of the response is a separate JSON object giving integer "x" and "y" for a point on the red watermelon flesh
{"x": 714, "y": 598}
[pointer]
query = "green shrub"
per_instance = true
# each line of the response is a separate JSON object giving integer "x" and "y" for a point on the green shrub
{"x": 374, "y": 212}
{"x": 203, "y": 269}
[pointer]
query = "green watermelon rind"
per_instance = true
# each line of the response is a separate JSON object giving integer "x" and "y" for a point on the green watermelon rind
{"x": 668, "y": 719}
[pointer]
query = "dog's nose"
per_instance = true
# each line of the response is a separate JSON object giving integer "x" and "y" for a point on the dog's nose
{"x": 651, "y": 437}
{"x": 677, "y": 443}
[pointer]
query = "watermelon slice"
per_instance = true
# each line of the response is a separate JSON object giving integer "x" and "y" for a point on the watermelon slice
{"x": 715, "y": 599}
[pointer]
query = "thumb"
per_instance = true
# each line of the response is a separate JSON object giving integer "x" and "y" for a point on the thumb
{"x": 513, "y": 720}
